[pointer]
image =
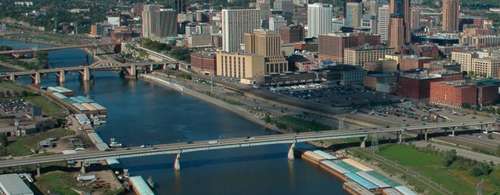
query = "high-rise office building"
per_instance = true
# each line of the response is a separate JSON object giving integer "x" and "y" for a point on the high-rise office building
{"x": 276, "y": 22}
{"x": 268, "y": 45}
{"x": 149, "y": 13}
{"x": 349, "y": 1}
{"x": 265, "y": 8}
{"x": 401, "y": 8}
{"x": 180, "y": 6}
{"x": 285, "y": 6}
{"x": 396, "y": 33}
{"x": 353, "y": 14}
{"x": 235, "y": 23}
{"x": 319, "y": 19}
{"x": 451, "y": 12}
{"x": 165, "y": 24}
{"x": 415, "y": 18}
{"x": 383, "y": 22}
{"x": 292, "y": 33}
{"x": 263, "y": 43}
{"x": 372, "y": 7}
{"x": 331, "y": 46}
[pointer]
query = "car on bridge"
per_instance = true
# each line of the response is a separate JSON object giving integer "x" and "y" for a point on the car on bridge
{"x": 213, "y": 142}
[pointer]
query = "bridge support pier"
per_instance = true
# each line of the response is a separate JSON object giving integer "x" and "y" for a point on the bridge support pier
{"x": 131, "y": 72}
{"x": 177, "y": 163}
{"x": 291, "y": 154}
{"x": 85, "y": 74}
{"x": 82, "y": 169}
{"x": 400, "y": 137}
{"x": 61, "y": 77}
{"x": 38, "y": 172}
{"x": 426, "y": 135}
{"x": 12, "y": 77}
{"x": 164, "y": 66}
{"x": 363, "y": 142}
{"x": 35, "y": 78}
{"x": 151, "y": 68}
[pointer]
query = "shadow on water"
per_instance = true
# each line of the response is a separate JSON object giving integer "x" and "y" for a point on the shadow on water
{"x": 205, "y": 162}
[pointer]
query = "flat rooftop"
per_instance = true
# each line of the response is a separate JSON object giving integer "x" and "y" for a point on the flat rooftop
{"x": 13, "y": 184}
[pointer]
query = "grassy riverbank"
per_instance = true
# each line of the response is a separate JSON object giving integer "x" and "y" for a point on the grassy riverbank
{"x": 297, "y": 124}
{"x": 25, "y": 145}
{"x": 422, "y": 168}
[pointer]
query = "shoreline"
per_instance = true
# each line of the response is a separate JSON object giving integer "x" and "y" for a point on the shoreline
{"x": 11, "y": 66}
{"x": 211, "y": 100}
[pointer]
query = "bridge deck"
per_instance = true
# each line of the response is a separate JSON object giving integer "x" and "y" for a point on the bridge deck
{"x": 184, "y": 147}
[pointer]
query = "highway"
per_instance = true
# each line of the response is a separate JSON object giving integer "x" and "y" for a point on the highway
{"x": 185, "y": 147}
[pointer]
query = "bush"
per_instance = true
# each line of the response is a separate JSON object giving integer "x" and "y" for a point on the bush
{"x": 481, "y": 169}
{"x": 267, "y": 119}
{"x": 449, "y": 157}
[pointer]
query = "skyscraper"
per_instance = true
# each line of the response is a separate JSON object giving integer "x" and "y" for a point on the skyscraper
{"x": 149, "y": 13}
{"x": 372, "y": 7}
{"x": 180, "y": 6}
{"x": 268, "y": 45}
{"x": 276, "y": 22}
{"x": 401, "y": 8}
{"x": 451, "y": 12}
{"x": 165, "y": 24}
{"x": 292, "y": 33}
{"x": 415, "y": 18}
{"x": 285, "y": 6}
{"x": 265, "y": 8}
{"x": 235, "y": 23}
{"x": 263, "y": 43}
{"x": 383, "y": 22}
{"x": 353, "y": 14}
{"x": 319, "y": 19}
{"x": 396, "y": 33}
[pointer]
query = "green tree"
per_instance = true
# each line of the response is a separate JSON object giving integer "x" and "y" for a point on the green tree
{"x": 449, "y": 158}
{"x": 481, "y": 169}
{"x": 3, "y": 140}
{"x": 268, "y": 119}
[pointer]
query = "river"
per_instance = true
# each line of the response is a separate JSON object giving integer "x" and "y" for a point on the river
{"x": 144, "y": 113}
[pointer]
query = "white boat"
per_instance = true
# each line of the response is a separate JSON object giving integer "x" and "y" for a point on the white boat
{"x": 114, "y": 144}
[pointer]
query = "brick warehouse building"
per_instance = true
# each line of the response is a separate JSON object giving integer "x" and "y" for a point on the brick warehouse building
{"x": 459, "y": 93}
{"x": 417, "y": 85}
{"x": 452, "y": 93}
{"x": 204, "y": 62}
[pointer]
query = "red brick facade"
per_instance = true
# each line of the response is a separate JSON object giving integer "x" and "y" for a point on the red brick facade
{"x": 203, "y": 62}
{"x": 419, "y": 88}
{"x": 459, "y": 93}
{"x": 443, "y": 93}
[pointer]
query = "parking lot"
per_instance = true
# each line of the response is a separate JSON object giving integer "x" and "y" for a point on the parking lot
{"x": 335, "y": 95}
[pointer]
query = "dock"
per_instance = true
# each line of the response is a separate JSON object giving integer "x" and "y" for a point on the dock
{"x": 357, "y": 178}
{"x": 140, "y": 186}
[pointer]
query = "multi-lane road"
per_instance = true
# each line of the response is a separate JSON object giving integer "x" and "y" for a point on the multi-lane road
{"x": 184, "y": 147}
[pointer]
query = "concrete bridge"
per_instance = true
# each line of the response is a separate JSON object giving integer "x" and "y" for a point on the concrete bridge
{"x": 31, "y": 50}
{"x": 129, "y": 69}
{"x": 288, "y": 138}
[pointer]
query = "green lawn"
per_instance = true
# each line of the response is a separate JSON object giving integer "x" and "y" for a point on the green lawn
{"x": 57, "y": 182}
{"x": 431, "y": 166}
{"x": 298, "y": 124}
{"x": 11, "y": 86}
{"x": 48, "y": 107}
{"x": 23, "y": 145}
